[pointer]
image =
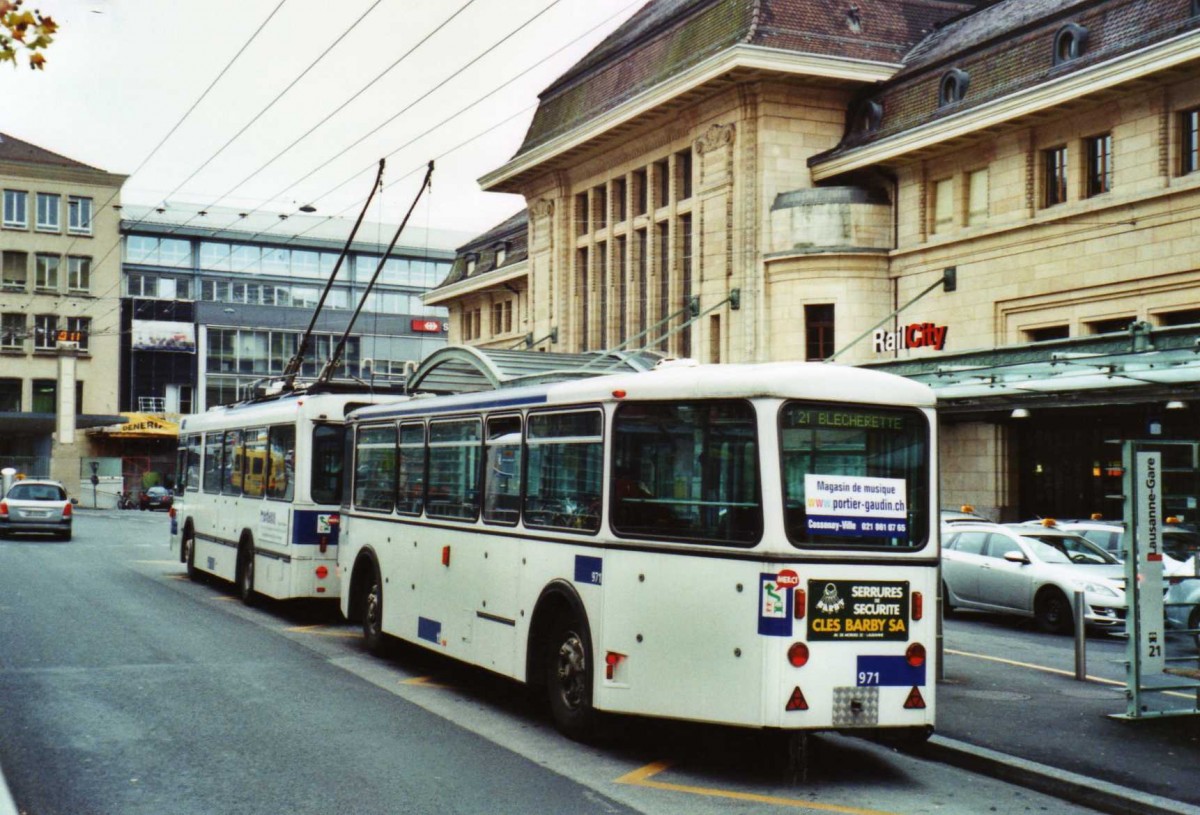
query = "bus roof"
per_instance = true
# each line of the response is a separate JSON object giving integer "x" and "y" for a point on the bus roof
{"x": 283, "y": 408}
{"x": 818, "y": 381}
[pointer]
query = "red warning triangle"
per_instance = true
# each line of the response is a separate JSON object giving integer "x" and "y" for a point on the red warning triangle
{"x": 797, "y": 701}
{"x": 914, "y": 701}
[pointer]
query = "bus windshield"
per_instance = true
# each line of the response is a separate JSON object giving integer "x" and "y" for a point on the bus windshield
{"x": 855, "y": 477}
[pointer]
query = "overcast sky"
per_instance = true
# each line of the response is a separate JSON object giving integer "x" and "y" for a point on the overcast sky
{"x": 122, "y": 73}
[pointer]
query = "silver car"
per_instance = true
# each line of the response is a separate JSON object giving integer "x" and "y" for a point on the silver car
{"x": 1032, "y": 571}
{"x": 36, "y": 505}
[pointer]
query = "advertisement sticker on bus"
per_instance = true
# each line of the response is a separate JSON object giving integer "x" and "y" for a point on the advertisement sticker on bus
{"x": 858, "y": 610}
{"x": 774, "y": 606}
{"x": 855, "y": 506}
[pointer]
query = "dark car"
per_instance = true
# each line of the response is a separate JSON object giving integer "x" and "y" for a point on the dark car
{"x": 156, "y": 498}
{"x": 36, "y": 505}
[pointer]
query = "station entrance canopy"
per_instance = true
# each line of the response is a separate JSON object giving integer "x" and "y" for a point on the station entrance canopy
{"x": 1140, "y": 365}
{"x": 465, "y": 369}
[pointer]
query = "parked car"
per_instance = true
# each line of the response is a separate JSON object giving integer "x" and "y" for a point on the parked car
{"x": 1178, "y": 542}
{"x": 156, "y": 498}
{"x": 36, "y": 505}
{"x": 1181, "y": 603}
{"x": 965, "y": 514}
{"x": 1032, "y": 571}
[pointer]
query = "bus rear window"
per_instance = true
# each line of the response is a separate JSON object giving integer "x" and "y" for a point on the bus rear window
{"x": 327, "y": 458}
{"x": 855, "y": 477}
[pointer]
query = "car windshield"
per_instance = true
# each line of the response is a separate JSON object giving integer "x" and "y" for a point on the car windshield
{"x": 1068, "y": 549}
{"x": 37, "y": 492}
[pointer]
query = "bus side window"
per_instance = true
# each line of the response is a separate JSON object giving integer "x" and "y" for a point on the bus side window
{"x": 213, "y": 446}
{"x": 191, "y": 477}
{"x": 565, "y": 459}
{"x": 254, "y": 447}
{"x": 281, "y": 448}
{"x": 410, "y": 492}
{"x": 454, "y": 455}
{"x": 231, "y": 471}
{"x": 502, "y": 476}
{"x": 375, "y": 468}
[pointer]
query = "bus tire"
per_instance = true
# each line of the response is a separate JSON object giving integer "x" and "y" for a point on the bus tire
{"x": 568, "y": 673}
{"x": 245, "y": 572}
{"x": 187, "y": 552}
{"x": 1052, "y": 610}
{"x": 372, "y": 610}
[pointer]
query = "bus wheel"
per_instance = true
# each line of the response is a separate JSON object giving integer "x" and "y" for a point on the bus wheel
{"x": 372, "y": 612}
{"x": 569, "y": 679}
{"x": 187, "y": 553}
{"x": 245, "y": 573}
{"x": 1053, "y": 612}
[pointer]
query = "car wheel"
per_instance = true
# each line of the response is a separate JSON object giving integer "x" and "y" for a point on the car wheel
{"x": 372, "y": 612}
{"x": 245, "y": 574}
{"x": 947, "y": 606}
{"x": 1052, "y": 611}
{"x": 568, "y": 674}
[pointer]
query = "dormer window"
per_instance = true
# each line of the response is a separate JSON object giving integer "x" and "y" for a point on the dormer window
{"x": 501, "y": 250}
{"x": 472, "y": 262}
{"x": 868, "y": 117}
{"x": 1069, "y": 43}
{"x": 953, "y": 87}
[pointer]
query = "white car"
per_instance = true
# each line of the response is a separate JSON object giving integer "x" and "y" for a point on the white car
{"x": 36, "y": 505}
{"x": 1032, "y": 571}
{"x": 1178, "y": 543}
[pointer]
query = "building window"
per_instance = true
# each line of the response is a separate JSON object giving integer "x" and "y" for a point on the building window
{"x": 472, "y": 262}
{"x": 600, "y": 207}
{"x": 977, "y": 196}
{"x": 640, "y": 192}
{"x": 501, "y": 250}
{"x": 953, "y": 87}
{"x": 620, "y": 193}
{"x": 1099, "y": 164}
{"x": 472, "y": 324}
{"x": 49, "y": 216}
{"x": 16, "y": 270}
{"x": 1187, "y": 316}
{"x": 1069, "y": 43}
{"x": 683, "y": 174}
{"x": 79, "y": 215}
{"x": 502, "y": 317}
{"x": 943, "y": 204}
{"x": 142, "y": 285}
{"x": 45, "y": 396}
{"x": 12, "y": 332}
{"x": 662, "y": 178}
{"x": 1114, "y": 325}
{"x": 1050, "y": 332}
{"x": 818, "y": 332}
{"x": 10, "y": 396}
{"x": 868, "y": 117}
{"x": 45, "y": 275}
{"x": 79, "y": 274}
{"x": 1189, "y": 142}
{"x": 45, "y": 332}
{"x": 15, "y": 202}
{"x": 1054, "y": 172}
{"x": 78, "y": 328}
{"x": 581, "y": 213}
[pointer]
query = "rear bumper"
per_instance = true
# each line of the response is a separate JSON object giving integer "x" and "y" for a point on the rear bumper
{"x": 56, "y": 525}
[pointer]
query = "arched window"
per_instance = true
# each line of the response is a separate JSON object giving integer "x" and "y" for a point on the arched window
{"x": 953, "y": 87}
{"x": 1069, "y": 43}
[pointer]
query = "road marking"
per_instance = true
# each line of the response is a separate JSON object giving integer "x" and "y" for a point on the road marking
{"x": 641, "y": 777}
{"x": 425, "y": 682}
{"x": 222, "y": 598}
{"x": 323, "y": 631}
{"x": 1099, "y": 679}
{"x": 161, "y": 562}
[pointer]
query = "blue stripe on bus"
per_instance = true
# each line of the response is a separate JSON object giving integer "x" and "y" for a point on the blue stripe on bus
{"x": 463, "y": 406}
{"x": 889, "y": 671}
{"x": 309, "y": 525}
{"x": 429, "y": 630}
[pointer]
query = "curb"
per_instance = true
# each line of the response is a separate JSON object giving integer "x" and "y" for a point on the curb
{"x": 1078, "y": 789}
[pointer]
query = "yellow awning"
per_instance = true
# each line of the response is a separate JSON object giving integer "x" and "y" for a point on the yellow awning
{"x": 142, "y": 426}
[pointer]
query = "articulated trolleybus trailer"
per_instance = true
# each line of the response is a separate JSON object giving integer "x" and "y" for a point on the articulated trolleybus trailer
{"x": 260, "y": 483}
{"x": 752, "y": 545}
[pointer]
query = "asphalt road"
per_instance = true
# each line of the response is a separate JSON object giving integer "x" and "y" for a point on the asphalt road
{"x": 126, "y": 688}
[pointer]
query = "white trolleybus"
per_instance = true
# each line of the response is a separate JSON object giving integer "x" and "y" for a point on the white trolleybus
{"x": 258, "y": 492}
{"x": 752, "y": 545}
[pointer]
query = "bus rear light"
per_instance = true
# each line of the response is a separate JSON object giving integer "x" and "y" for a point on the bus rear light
{"x": 322, "y": 572}
{"x": 918, "y": 605}
{"x": 611, "y": 660}
{"x": 171, "y": 512}
{"x": 799, "y": 603}
{"x": 915, "y": 655}
{"x": 914, "y": 701}
{"x": 798, "y": 654}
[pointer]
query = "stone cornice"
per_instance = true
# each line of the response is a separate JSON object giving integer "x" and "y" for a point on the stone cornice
{"x": 1126, "y": 68}
{"x": 751, "y": 57}
{"x": 481, "y": 283}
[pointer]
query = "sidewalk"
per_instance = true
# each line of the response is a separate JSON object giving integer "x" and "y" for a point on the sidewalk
{"x": 1055, "y": 734}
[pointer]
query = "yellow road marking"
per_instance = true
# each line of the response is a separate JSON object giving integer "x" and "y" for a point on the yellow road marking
{"x": 425, "y": 682}
{"x": 641, "y": 777}
{"x": 1099, "y": 679}
{"x": 323, "y": 631}
{"x": 225, "y": 598}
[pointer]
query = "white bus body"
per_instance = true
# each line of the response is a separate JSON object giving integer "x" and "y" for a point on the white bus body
{"x": 258, "y": 490}
{"x": 751, "y": 545}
